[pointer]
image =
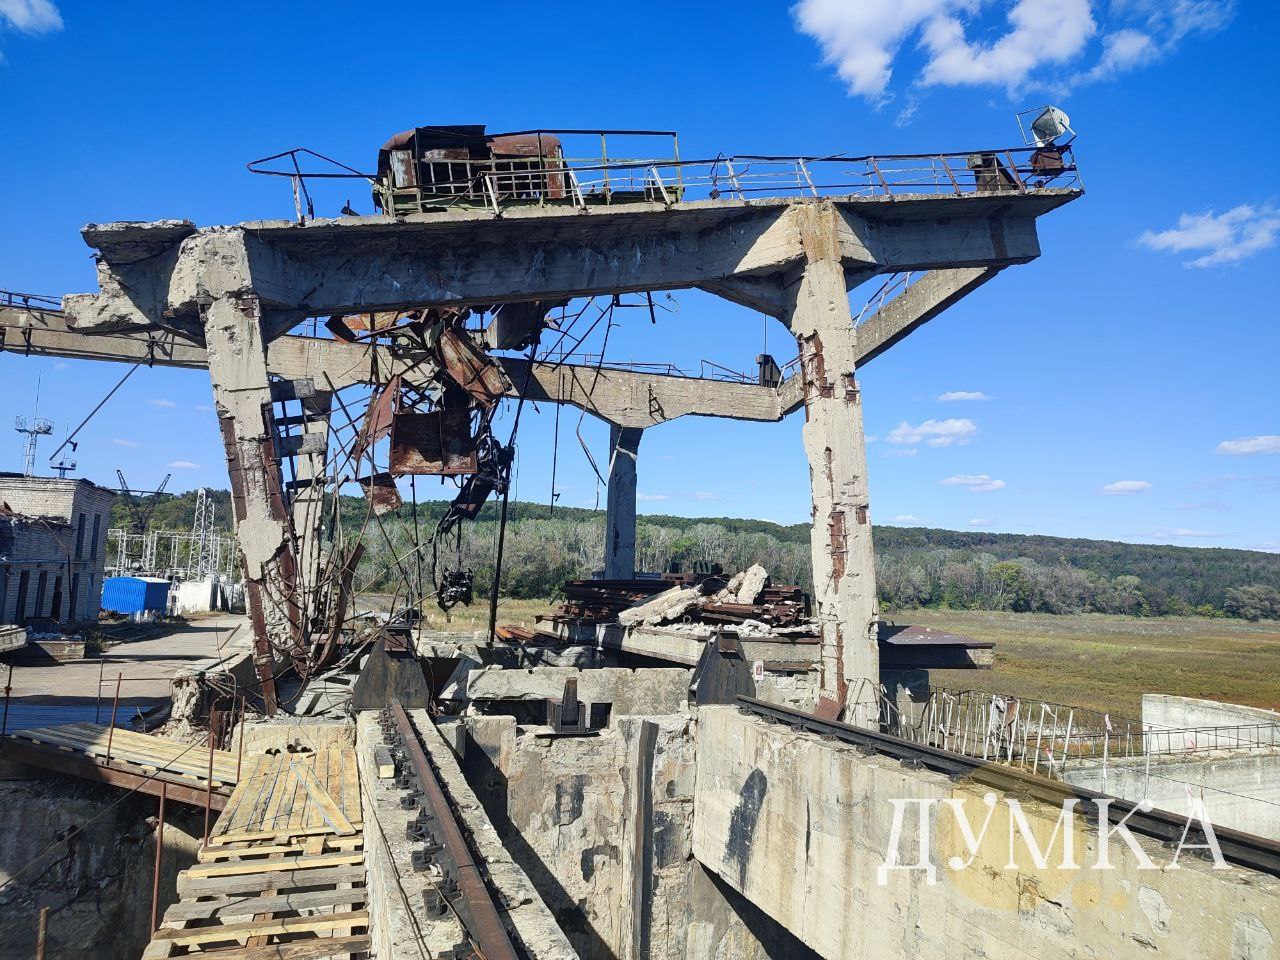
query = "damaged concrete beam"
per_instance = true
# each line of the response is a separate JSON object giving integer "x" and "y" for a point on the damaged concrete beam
{"x": 153, "y": 274}
{"x": 919, "y": 303}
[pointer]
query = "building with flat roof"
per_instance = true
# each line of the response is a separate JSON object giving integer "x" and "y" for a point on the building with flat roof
{"x": 53, "y": 544}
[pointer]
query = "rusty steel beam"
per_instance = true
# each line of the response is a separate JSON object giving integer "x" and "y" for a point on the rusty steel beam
{"x": 152, "y": 784}
{"x": 490, "y": 935}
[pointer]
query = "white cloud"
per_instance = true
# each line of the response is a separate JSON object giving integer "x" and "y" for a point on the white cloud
{"x": 184, "y": 465}
{"x": 121, "y": 442}
{"x": 974, "y": 482}
{"x": 204, "y": 408}
{"x": 902, "y": 452}
{"x": 1185, "y": 533}
{"x": 1248, "y": 445}
{"x": 1040, "y": 32}
{"x": 60, "y": 365}
{"x": 30, "y": 16}
{"x": 951, "y": 396}
{"x": 1038, "y": 43}
{"x": 161, "y": 402}
{"x": 1121, "y": 51}
{"x": 936, "y": 433}
{"x": 1121, "y": 487}
{"x": 980, "y": 522}
{"x": 706, "y": 495}
{"x": 906, "y": 518}
{"x": 651, "y": 497}
{"x": 1228, "y": 237}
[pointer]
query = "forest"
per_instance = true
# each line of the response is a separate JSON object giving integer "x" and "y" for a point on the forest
{"x": 915, "y": 566}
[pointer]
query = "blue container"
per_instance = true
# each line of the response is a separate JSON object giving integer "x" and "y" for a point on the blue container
{"x": 135, "y": 594}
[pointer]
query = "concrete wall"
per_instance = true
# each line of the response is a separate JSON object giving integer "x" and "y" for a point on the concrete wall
{"x": 97, "y": 885}
{"x": 800, "y": 827}
{"x": 1161, "y": 710}
{"x": 600, "y": 824}
{"x": 1241, "y": 790}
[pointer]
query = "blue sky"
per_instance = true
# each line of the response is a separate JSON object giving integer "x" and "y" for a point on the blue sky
{"x": 1140, "y": 350}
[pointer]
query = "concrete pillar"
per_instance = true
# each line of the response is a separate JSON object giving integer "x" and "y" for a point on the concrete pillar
{"x": 620, "y": 509}
{"x": 242, "y": 394}
{"x": 843, "y": 569}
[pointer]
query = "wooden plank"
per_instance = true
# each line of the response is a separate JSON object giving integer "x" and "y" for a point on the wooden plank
{"x": 248, "y": 906}
{"x": 138, "y": 745}
{"x": 240, "y": 796}
{"x": 77, "y": 743}
{"x": 333, "y": 815}
{"x": 272, "y": 864}
{"x": 228, "y": 852}
{"x": 351, "y": 784}
{"x": 79, "y": 765}
{"x": 260, "y": 794}
{"x": 190, "y": 936}
{"x": 322, "y": 949}
{"x": 383, "y": 763}
{"x": 283, "y": 879}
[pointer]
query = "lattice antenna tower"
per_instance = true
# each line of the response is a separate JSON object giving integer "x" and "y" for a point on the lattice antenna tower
{"x": 204, "y": 546}
{"x": 36, "y": 428}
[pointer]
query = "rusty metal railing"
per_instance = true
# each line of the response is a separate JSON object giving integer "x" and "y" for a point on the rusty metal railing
{"x": 582, "y": 182}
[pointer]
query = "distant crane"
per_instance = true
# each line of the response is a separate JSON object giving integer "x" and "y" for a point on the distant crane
{"x": 140, "y": 511}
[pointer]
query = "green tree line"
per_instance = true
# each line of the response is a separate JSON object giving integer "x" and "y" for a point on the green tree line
{"x": 915, "y": 566}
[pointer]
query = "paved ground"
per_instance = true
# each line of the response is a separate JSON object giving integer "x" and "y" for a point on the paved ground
{"x": 67, "y": 692}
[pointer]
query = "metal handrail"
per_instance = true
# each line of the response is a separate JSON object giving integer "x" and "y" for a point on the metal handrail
{"x": 580, "y": 181}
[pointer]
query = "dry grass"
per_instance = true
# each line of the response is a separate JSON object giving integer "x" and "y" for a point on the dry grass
{"x": 476, "y": 616}
{"x": 1107, "y": 662}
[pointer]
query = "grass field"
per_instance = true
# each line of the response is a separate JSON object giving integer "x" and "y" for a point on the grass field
{"x": 1107, "y": 662}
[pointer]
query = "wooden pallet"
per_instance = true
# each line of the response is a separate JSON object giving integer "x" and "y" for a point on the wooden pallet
{"x": 178, "y": 762}
{"x": 286, "y": 795}
{"x": 295, "y": 890}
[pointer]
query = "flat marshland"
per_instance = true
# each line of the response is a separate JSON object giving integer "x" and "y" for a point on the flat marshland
{"x": 1106, "y": 662}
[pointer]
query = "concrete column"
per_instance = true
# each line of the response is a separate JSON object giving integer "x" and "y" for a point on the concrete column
{"x": 620, "y": 509}
{"x": 242, "y": 393}
{"x": 843, "y": 569}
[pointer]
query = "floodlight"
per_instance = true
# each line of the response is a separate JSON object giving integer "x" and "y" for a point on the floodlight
{"x": 1050, "y": 123}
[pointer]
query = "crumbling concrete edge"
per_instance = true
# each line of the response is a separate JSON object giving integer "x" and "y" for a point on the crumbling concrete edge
{"x": 394, "y": 922}
{"x": 528, "y": 916}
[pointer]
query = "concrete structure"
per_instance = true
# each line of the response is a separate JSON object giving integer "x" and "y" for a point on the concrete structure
{"x": 1240, "y": 788}
{"x": 240, "y": 289}
{"x": 53, "y": 541}
{"x": 801, "y": 827}
{"x": 1161, "y": 711}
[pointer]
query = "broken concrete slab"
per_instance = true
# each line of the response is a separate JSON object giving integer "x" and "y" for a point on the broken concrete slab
{"x": 667, "y": 605}
{"x": 643, "y": 691}
{"x": 753, "y": 581}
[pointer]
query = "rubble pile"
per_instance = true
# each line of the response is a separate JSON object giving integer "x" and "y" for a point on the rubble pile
{"x": 746, "y": 598}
